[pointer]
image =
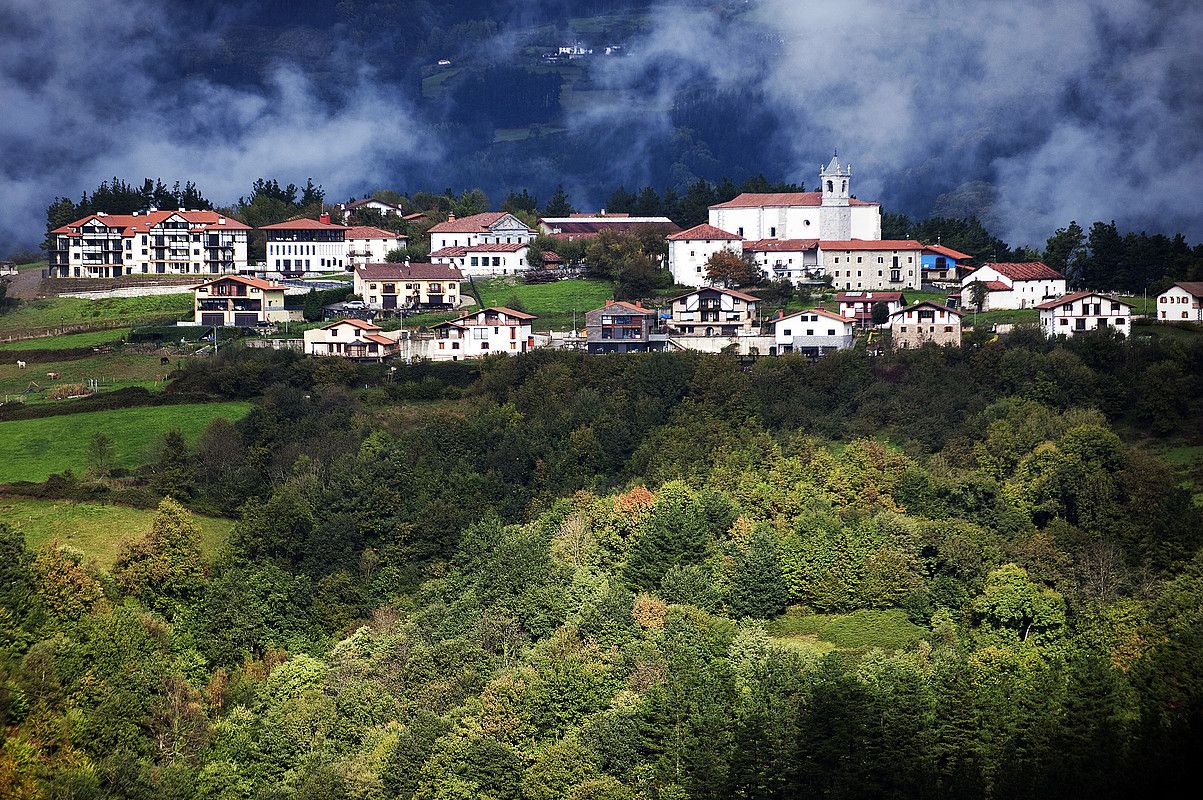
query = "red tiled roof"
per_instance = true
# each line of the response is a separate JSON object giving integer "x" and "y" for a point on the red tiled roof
{"x": 369, "y": 232}
{"x": 470, "y": 317}
{"x": 1194, "y": 288}
{"x": 929, "y": 303}
{"x": 781, "y": 245}
{"x": 258, "y": 283}
{"x": 303, "y": 225}
{"x": 131, "y": 224}
{"x": 449, "y": 252}
{"x": 628, "y": 306}
{"x": 473, "y": 224}
{"x": 761, "y": 200}
{"x": 1075, "y": 296}
{"x": 870, "y": 244}
{"x": 592, "y": 226}
{"x": 378, "y": 339}
{"x": 703, "y": 231}
{"x": 1027, "y": 271}
{"x": 996, "y": 286}
{"x": 418, "y": 270}
{"x": 352, "y": 321}
{"x": 947, "y": 251}
{"x": 493, "y": 247}
{"x": 366, "y": 200}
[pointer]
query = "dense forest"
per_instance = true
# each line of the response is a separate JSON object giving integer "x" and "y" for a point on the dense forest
{"x": 562, "y": 576}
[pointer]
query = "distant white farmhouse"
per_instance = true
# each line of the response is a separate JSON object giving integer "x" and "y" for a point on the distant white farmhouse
{"x": 369, "y": 245}
{"x": 1084, "y": 311}
{"x": 494, "y": 227}
{"x": 368, "y": 204}
{"x": 689, "y": 250}
{"x": 481, "y": 260}
{"x": 814, "y": 331}
{"x": 1182, "y": 302}
{"x": 1011, "y": 286}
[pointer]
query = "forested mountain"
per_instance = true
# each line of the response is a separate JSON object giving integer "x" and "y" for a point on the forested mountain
{"x": 557, "y": 575}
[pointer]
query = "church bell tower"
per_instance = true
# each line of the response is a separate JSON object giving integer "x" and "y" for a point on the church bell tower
{"x": 834, "y": 179}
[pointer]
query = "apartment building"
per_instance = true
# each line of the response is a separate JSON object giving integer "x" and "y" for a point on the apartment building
{"x": 485, "y": 332}
{"x": 301, "y": 246}
{"x": 238, "y": 301}
{"x": 409, "y": 285}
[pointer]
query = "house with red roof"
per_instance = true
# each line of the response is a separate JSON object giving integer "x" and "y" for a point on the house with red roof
{"x": 408, "y": 285}
{"x": 714, "y": 311}
{"x": 351, "y": 338}
{"x": 491, "y": 227}
{"x": 1074, "y": 313}
{"x": 489, "y": 331}
{"x": 485, "y": 258}
{"x": 238, "y": 301}
{"x": 620, "y": 327}
{"x": 925, "y": 322}
{"x": 813, "y": 332}
{"x": 178, "y": 242}
{"x": 872, "y": 264}
{"x": 1182, "y": 302}
{"x": 302, "y": 246}
{"x": 689, "y": 250}
{"x": 370, "y": 245}
{"x": 795, "y": 260}
{"x": 1011, "y": 286}
{"x": 369, "y": 204}
{"x": 858, "y": 306}
{"x": 587, "y": 226}
{"x": 941, "y": 264}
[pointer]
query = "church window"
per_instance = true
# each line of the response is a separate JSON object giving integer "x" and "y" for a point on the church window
{"x": 830, "y": 186}
{"x": 844, "y": 186}
{"x": 806, "y": 222}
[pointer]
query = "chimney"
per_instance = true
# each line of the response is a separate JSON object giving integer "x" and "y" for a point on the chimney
{"x": 451, "y": 217}
{"x": 638, "y": 304}
{"x": 221, "y": 220}
{"x": 603, "y": 213}
{"x": 780, "y": 313}
{"x": 324, "y": 218}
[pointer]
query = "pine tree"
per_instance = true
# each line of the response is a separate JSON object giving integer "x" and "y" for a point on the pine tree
{"x": 758, "y": 587}
{"x": 558, "y": 205}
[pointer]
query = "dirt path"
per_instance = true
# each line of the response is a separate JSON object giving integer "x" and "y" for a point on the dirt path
{"x": 24, "y": 285}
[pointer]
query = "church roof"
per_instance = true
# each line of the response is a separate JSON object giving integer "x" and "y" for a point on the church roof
{"x": 782, "y": 199}
{"x": 834, "y": 167}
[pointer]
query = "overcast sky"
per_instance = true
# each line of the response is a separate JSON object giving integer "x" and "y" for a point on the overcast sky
{"x": 1074, "y": 109}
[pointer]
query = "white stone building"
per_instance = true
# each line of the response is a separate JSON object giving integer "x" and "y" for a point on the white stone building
{"x": 302, "y": 246}
{"x": 689, "y": 250}
{"x": 713, "y": 311}
{"x": 923, "y": 323}
{"x": 1011, "y": 286}
{"x": 368, "y": 204}
{"x": 157, "y": 243}
{"x": 814, "y": 332}
{"x": 369, "y": 245}
{"x": 1084, "y": 311}
{"x": 858, "y": 306}
{"x": 480, "y": 260}
{"x": 493, "y": 227}
{"x": 485, "y": 332}
{"x": 831, "y": 213}
{"x": 792, "y": 259}
{"x": 1182, "y": 302}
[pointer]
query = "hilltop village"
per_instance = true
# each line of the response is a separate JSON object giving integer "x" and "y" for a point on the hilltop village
{"x": 732, "y": 279}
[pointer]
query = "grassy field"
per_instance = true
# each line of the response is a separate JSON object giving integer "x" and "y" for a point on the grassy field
{"x": 95, "y": 529}
{"x": 116, "y": 370}
{"x": 69, "y": 340}
{"x": 553, "y": 303}
{"x": 889, "y": 630}
{"x": 37, "y": 315}
{"x": 36, "y": 448}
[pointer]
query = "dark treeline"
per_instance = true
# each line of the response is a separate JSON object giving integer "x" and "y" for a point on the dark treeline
{"x": 564, "y": 576}
{"x": 119, "y": 197}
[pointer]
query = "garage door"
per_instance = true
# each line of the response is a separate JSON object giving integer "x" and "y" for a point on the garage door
{"x": 213, "y": 319}
{"x": 248, "y": 320}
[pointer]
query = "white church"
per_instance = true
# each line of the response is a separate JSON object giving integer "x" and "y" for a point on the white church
{"x": 788, "y": 232}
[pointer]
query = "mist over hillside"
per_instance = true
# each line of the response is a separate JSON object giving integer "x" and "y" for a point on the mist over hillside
{"x": 1030, "y": 114}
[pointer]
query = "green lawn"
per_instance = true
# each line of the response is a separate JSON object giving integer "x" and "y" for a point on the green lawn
{"x": 36, "y": 448}
{"x": 95, "y": 529}
{"x": 69, "y": 341}
{"x": 553, "y": 303}
{"x": 1015, "y": 316}
{"x": 889, "y": 630}
{"x": 116, "y": 370}
{"x": 37, "y": 315}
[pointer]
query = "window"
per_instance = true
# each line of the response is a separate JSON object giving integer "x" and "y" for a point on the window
{"x": 786, "y": 332}
{"x": 772, "y": 232}
{"x": 810, "y": 331}
{"x": 831, "y": 331}
{"x": 948, "y": 329}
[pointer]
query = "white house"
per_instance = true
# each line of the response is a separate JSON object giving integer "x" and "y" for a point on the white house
{"x": 1084, "y": 311}
{"x": 493, "y": 227}
{"x": 236, "y": 300}
{"x": 714, "y": 311}
{"x": 299, "y": 246}
{"x": 369, "y": 245}
{"x": 873, "y": 265}
{"x": 351, "y": 338}
{"x": 814, "y": 331}
{"x": 179, "y": 242}
{"x": 1010, "y": 286}
{"x": 689, "y": 250}
{"x": 793, "y": 259}
{"x": 408, "y": 285}
{"x": 481, "y": 333}
{"x": 368, "y": 204}
{"x": 858, "y": 306}
{"x": 1182, "y": 302}
{"x": 496, "y": 258}
{"x": 831, "y": 213}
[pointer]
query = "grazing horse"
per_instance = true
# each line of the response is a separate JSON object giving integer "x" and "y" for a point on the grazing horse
{"x": 52, "y": 376}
